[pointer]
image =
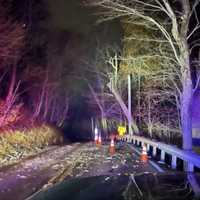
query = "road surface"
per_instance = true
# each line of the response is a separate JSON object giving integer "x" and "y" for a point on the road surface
{"x": 67, "y": 162}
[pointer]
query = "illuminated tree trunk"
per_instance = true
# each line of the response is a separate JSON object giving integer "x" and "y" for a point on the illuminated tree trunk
{"x": 150, "y": 123}
{"x": 10, "y": 99}
{"x": 46, "y": 104}
{"x": 39, "y": 103}
{"x": 41, "y": 97}
{"x": 53, "y": 109}
{"x": 11, "y": 86}
{"x": 186, "y": 118}
{"x": 124, "y": 108}
{"x": 130, "y": 132}
{"x": 100, "y": 105}
{"x": 181, "y": 37}
{"x": 186, "y": 100}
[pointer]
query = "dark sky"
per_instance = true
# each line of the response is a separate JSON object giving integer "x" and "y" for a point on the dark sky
{"x": 70, "y": 15}
{"x": 73, "y": 17}
{"x": 73, "y": 32}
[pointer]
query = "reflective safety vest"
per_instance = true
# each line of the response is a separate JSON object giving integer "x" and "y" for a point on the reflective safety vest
{"x": 121, "y": 130}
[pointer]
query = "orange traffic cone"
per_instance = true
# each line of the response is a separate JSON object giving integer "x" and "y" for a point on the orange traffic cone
{"x": 96, "y": 139}
{"x": 144, "y": 156}
{"x": 99, "y": 141}
{"x": 112, "y": 147}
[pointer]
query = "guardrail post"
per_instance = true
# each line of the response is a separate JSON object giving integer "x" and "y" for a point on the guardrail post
{"x": 148, "y": 147}
{"x": 173, "y": 163}
{"x": 190, "y": 159}
{"x": 140, "y": 143}
{"x": 162, "y": 155}
{"x": 154, "y": 151}
{"x": 131, "y": 141}
{"x": 189, "y": 167}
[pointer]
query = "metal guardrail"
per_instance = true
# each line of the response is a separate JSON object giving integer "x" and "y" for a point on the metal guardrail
{"x": 189, "y": 158}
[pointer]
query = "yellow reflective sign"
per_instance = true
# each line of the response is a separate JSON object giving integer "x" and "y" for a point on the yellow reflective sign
{"x": 121, "y": 130}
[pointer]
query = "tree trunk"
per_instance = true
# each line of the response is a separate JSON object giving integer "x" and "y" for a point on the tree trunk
{"x": 10, "y": 98}
{"x": 186, "y": 115}
{"x": 187, "y": 90}
{"x": 130, "y": 131}
{"x": 11, "y": 86}
{"x": 124, "y": 109}
{"x": 186, "y": 100}
{"x": 150, "y": 123}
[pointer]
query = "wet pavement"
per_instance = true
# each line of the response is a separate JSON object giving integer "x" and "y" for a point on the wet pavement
{"x": 123, "y": 162}
{"x": 21, "y": 180}
{"x": 66, "y": 163}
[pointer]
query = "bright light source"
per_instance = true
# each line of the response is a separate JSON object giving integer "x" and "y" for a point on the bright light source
{"x": 96, "y": 131}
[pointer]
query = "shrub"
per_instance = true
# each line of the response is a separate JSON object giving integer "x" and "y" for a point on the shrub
{"x": 17, "y": 144}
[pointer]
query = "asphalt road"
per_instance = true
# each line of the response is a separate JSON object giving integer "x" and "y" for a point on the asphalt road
{"x": 66, "y": 163}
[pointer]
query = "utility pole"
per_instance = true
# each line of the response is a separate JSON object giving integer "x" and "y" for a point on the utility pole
{"x": 130, "y": 132}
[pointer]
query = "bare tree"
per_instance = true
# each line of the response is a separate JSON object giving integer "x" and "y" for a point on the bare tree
{"x": 99, "y": 97}
{"x": 155, "y": 84}
{"x": 172, "y": 19}
{"x": 47, "y": 101}
{"x": 113, "y": 85}
{"x": 109, "y": 103}
{"x": 12, "y": 36}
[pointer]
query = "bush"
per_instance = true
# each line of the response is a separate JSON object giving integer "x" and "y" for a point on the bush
{"x": 17, "y": 144}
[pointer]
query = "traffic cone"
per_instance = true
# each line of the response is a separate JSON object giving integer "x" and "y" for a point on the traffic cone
{"x": 99, "y": 141}
{"x": 112, "y": 147}
{"x": 96, "y": 139}
{"x": 144, "y": 156}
